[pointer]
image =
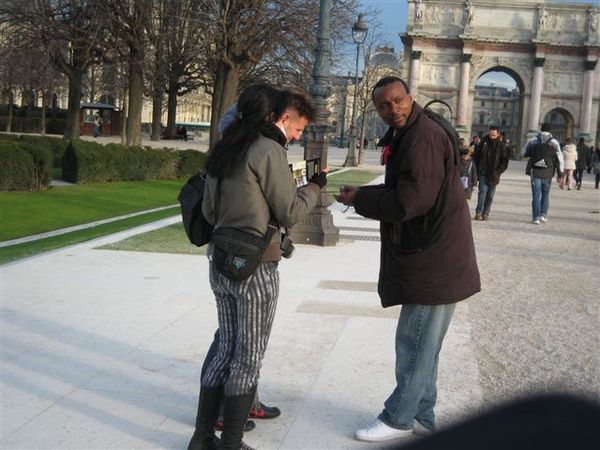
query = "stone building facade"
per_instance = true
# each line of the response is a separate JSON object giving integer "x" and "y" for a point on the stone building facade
{"x": 550, "y": 49}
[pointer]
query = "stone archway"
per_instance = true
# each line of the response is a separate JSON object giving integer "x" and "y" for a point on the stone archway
{"x": 561, "y": 123}
{"x": 498, "y": 105}
{"x": 551, "y": 49}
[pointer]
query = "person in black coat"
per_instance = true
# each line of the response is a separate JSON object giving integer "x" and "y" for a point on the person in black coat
{"x": 428, "y": 259}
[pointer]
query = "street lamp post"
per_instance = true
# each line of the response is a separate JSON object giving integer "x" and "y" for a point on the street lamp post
{"x": 318, "y": 227}
{"x": 359, "y": 34}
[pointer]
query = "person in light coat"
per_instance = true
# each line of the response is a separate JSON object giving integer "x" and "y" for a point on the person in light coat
{"x": 569, "y": 152}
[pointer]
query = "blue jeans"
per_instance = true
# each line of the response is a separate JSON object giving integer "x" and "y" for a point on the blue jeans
{"x": 419, "y": 336}
{"x": 540, "y": 192}
{"x": 485, "y": 196}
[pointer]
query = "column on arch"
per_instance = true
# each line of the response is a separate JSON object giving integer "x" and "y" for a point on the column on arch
{"x": 415, "y": 73}
{"x": 586, "y": 99}
{"x": 536, "y": 94}
{"x": 463, "y": 93}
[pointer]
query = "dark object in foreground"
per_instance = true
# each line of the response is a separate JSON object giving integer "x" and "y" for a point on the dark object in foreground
{"x": 554, "y": 422}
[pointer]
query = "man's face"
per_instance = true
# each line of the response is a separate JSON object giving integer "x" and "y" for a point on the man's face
{"x": 292, "y": 124}
{"x": 393, "y": 104}
{"x": 494, "y": 134}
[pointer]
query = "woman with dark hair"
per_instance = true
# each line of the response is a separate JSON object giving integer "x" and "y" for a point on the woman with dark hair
{"x": 250, "y": 181}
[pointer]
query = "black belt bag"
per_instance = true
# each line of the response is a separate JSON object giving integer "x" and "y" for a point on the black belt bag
{"x": 237, "y": 253}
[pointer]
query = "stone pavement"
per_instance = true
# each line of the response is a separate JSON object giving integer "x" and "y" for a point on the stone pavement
{"x": 102, "y": 349}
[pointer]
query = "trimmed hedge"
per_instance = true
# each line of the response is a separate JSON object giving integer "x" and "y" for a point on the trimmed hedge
{"x": 56, "y": 145}
{"x": 190, "y": 163}
{"x": 24, "y": 167}
{"x": 90, "y": 162}
{"x": 26, "y": 162}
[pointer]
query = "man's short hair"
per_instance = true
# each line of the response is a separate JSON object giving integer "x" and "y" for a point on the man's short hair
{"x": 494, "y": 127}
{"x": 546, "y": 127}
{"x": 302, "y": 104}
{"x": 388, "y": 80}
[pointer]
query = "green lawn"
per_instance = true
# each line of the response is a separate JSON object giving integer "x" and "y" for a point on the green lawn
{"x": 65, "y": 206}
{"x": 15, "y": 252}
{"x": 172, "y": 239}
{"x": 351, "y": 177}
{"x": 27, "y": 213}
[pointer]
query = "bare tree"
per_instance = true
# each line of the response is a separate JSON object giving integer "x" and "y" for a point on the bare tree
{"x": 8, "y": 74}
{"x": 262, "y": 39}
{"x": 72, "y": 31}
{"x": 185, "y": 58}
{"x": 128, "y": 22}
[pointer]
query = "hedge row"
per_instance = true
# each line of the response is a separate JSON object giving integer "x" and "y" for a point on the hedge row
{"x": 23, "y": 166}
{"x": 26, "y": 162}
{"x": 56, "y": 145}
{"x": 90, "y": 162}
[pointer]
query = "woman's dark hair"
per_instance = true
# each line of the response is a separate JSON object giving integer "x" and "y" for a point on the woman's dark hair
{"x": 258, "y": 105}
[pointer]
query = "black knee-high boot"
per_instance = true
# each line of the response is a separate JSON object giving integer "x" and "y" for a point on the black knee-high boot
{"x": 208, "y": 410}
{"x": 234, "y": 418}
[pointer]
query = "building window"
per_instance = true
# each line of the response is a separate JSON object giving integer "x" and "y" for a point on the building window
{"x": 503, "y": 122}
{"x": 481, "y": 118}
{"x": 482, "y": 103}
{"x": 505, "y": 105}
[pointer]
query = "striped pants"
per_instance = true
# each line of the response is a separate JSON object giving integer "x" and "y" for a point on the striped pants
{"x": 246, "y": 310}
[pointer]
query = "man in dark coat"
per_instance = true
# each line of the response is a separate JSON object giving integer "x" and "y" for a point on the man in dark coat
{"x": 491, "y": 158}
{"x": 428, "y": 259}
{"x": 583, "y": 156}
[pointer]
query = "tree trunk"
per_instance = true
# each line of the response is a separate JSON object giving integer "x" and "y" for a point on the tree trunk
{"x": 10, "y": 111}
{"x": 136, "y": 97}
{"x": 43, "y": 124}
{"x": 225, "y": 92}
{"x": 74, "y": 109}
{"x": 157, "y": 102}
{"x": 361, "y": 144}
{"x": 172, "y": 107}
{"x": 124, "y": 116}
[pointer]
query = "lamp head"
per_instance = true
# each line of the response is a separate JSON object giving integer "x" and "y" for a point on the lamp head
{"x": 359, "y": 30}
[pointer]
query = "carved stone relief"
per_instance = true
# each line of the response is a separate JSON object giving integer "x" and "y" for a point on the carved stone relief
{"x": 440, "y": 58}
{"x": 563, "y": 83}
{"x": 566, "y": 66}
{"x": 438, "y": 75}
{"x": 444, "y": 14}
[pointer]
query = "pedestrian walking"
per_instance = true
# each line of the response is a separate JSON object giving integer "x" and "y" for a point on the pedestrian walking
{"x": 250, "y": 159}
{"x": 596, "y": 165}
{"x": 428, "y": 259}
{"x": 491, "y": 159}
{"x": 570, "y": 157}
{"x": 467, "y": 172}
{"x": 545, "y": 158}
{"x": 582, "y": 156}
{"x": 97, "y": 124}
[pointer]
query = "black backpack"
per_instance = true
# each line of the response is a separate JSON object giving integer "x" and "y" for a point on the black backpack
{"x": 446, "y": 126}
{"x": 198, "y": 230}
{"x": 541, "y": 162}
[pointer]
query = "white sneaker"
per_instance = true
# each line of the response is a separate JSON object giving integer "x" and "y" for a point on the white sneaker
{"x": 378, "y": 431}
{"x": 536, "y": 221}
{"x": 420, "y": 430}
{"x": 544, "y": 219}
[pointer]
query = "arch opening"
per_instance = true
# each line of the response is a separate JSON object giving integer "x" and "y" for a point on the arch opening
{"x": 498, "y": 100}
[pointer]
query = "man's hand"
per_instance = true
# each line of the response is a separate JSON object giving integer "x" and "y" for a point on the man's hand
{"x": 346, "y": 195}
